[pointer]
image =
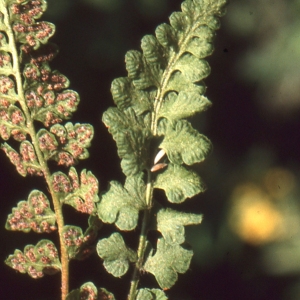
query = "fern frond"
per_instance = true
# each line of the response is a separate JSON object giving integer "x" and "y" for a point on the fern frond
{"x": 165, "y": 83}
{"x": 163, "y": 88}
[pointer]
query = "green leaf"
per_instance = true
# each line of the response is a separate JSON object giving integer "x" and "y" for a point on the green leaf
{"x": 61, "y": 184}
{"x": 122, "y": 205}
{"x": 116, "y": 254}
{"x": 81, "y": 245}
{"x": 183, "y": 144}
{"x": 81, "y": 194}
{"x": 47, "y": 143}
{"x": 28, "y": 155}
{"x": 166, "y": 36}
{"x": 51, "y": 107}
{"x": 171, "y": 224}
{"x": 7, "y": 89}
{"x": 176, "y": 49}
{"x": 125, "y": 95}
{"x": 74, "y": 140}
{"x": 180, "y": 83}
{"x": 88, "y": 291}
{"x": 34, "y": 214}
{"x": 165, "y": 81}
{"x": 27, "y": 11}
{"x": 66, "y": 144}
{"x": 199, "y": 10}
{"x": 151, "y": 294}
{"x": 3, "y": 40}
{"x": 25, "y": 162}
{"x": 154, "y": 53}
{"x": 187, "y": 41}
{"x": 36, "y": 260}
{"x": 179, "y": 22}
{"x": 5, "y": 63}
{"x": 168, "y": 260}
{"x": 84, "y": 193}
{"x": 12, "y": 122}
{"x": 121, "y": 89}
{"x": 199, "y": 46}
{"x": 45, "y": 96}
{"x": 89, "y": 238}
{"x": 183, "y": 105}
{"x": 192, "y": 68}
{"x": 29, "y": 159}
{"x": 37, "y": 33}
{"x": 73, "y": 239}
{"x": 141, "y": 74}
{"x": 179, "y": 183}
{"x": 132, "y": 137}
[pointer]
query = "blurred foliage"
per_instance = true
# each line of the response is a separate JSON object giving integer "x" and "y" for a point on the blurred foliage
{"x": 272, "y": 61}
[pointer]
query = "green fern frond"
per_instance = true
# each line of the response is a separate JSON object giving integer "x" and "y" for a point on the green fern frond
{"x": 163, "y": 88}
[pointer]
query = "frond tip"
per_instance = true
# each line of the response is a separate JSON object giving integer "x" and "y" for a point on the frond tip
{"x": 164, "y": 86}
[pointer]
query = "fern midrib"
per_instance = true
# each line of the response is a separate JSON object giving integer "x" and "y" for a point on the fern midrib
{"x": 169, "y": 71}
{"x": 157, "y": 105}
{"x": 44, "y": 167}
{"x": 143, "y": 239}
{"x": 149, "y": 194}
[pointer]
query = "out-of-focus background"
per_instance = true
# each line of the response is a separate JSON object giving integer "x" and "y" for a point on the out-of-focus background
{"x": 248, "y": 246}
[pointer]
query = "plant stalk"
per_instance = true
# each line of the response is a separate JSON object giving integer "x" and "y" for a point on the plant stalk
{"x": 44, "y": 167}
{"x": 142, "y": 240}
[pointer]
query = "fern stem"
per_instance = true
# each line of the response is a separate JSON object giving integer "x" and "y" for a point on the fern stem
{"x": 142, "y": 240}
{"x": 44, "y": 167}
{"x": 166, "y": 77}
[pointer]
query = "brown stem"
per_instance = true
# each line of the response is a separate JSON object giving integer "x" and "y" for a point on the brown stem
{"x": 44, "y": 167}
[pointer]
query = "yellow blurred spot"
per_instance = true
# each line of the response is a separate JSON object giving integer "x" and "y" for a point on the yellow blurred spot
{"x": 253, "y": 217}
